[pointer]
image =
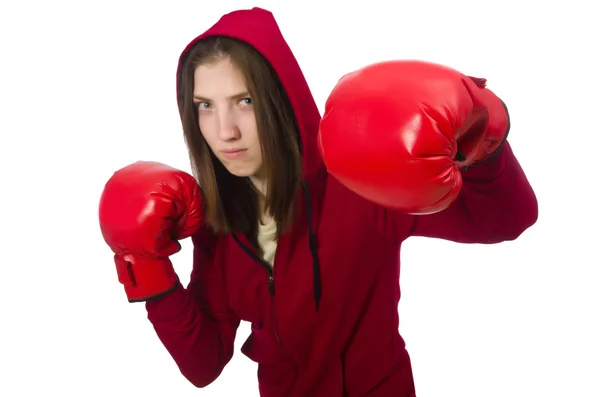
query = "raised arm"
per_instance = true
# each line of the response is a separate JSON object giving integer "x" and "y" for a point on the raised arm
{"x": 429, "y": 146}
{"x": 145, "y": 208}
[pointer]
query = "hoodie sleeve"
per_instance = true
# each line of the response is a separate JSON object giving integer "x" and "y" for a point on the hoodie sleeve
{"x": 496, "y": 204}
{"x": 195, "y": 324}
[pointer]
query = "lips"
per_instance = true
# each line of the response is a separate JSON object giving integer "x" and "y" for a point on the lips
{"x": 233, "y": 153}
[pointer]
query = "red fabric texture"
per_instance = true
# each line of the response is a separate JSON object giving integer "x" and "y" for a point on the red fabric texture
{"x": 351, "y": 346}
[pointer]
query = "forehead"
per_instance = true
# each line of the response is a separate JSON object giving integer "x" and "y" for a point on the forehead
{"x": 218, "y": 79}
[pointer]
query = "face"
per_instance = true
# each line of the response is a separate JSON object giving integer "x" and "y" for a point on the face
{"x": 226, "y": 117}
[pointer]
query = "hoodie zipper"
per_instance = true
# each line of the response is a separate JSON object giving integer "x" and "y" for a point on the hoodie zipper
{"x": 271, "y": 283}
{"x": 268, "y": 268}
{"x": 271, "y": 271}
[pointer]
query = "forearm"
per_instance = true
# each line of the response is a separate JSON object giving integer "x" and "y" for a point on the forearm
{"x": 200, "y": 344}
{"x": 496, "y": 204}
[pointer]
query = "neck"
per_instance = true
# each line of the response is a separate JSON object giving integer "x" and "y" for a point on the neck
{"x": 260, "y": 184}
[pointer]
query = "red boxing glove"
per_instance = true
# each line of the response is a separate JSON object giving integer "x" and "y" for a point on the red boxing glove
{"x": 398, "y": 133}
{"x": 144, "y": 209}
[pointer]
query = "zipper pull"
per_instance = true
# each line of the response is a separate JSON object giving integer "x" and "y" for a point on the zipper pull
{"x": 271, "y": 285}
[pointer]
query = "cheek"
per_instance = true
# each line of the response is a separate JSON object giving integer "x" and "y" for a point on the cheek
{"x": 251, "y": 131}
{"x": 207, "y": 130}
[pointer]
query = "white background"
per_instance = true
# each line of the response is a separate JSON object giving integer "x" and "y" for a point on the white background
{"x": 88, "y": 87}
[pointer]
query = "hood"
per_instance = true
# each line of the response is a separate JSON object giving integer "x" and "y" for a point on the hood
{"x": 258, "y": 28}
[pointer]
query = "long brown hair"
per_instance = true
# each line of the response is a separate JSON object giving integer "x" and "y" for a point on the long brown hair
{"x": 232, "y": 202}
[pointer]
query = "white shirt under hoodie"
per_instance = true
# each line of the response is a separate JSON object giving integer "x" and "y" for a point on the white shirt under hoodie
{"x": 267, "y": 241}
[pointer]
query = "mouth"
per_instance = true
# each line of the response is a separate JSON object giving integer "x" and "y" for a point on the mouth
{"x": 233, "y": 153}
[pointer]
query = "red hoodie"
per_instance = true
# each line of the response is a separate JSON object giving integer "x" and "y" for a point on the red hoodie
{"x": 325, "y": 320}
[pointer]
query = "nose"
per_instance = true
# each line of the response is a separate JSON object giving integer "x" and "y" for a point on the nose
{"x": 228, "y": 126}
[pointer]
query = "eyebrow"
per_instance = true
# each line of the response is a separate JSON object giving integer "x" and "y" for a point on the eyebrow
{"x": 239, "y": 95}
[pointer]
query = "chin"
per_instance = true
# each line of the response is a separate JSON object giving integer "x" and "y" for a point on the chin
{"x": 241, "y": 172}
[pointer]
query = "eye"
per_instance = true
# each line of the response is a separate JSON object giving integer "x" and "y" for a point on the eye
{"x": 246, "y": 101}
{"x": 203, "y": 105}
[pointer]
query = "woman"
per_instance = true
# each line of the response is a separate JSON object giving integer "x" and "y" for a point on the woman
{"x": 312, "y": 264}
